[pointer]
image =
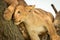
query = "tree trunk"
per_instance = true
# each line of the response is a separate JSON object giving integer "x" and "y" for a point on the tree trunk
{"x": 8, "y": 31}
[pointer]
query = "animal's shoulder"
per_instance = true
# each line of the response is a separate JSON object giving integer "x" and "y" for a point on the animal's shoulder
{"x": 44, "y": 14}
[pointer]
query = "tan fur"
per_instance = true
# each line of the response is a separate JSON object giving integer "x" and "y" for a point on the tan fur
{"x": 35, "y": 21}
{"x": 11, "y": 1}
{"x": 10, "y": 10}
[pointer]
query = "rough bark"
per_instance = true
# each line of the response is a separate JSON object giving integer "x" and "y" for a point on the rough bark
{"x": 8, "y": 31}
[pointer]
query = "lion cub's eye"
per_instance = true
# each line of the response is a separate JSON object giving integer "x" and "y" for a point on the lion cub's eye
{"x": 29, "y": 10}
{"x": 19, "y": 12}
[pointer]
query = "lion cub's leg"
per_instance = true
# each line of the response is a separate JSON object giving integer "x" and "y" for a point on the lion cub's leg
{"x": 55, "y": 37}
{"x": 9, "y": 11}
{"x": 33, "y": 35}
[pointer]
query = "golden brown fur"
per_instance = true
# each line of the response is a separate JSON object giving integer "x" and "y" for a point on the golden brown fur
{"x": 11, "y": 1}
{"x": 8, "y": 13}
{"x": 10, "y": 10}
{"x": 12, "y": 5}
{"x": 36, "y": 21}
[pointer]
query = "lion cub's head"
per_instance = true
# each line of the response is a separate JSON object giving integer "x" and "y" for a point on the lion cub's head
{"x": 21, "y": 13}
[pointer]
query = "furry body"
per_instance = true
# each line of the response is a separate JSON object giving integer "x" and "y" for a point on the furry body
{"x": 36, "y": 21}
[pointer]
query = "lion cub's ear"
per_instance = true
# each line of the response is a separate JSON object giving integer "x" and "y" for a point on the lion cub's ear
{"x": 30, "y": 8}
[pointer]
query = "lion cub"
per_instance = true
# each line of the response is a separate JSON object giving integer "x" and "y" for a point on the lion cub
{"x": 37, "y": 21}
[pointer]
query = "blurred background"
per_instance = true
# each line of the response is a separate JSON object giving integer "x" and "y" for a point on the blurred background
{"x": 45, "y": 4}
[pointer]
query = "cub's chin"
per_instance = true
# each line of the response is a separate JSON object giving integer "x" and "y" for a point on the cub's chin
{"x": 17, "y": 23}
